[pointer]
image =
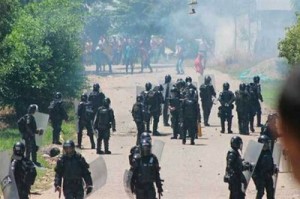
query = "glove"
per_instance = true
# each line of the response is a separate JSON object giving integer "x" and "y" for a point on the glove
{"x": 160, "y": 191}
{"x": 89, "y": 189}
{"x": 114, "y": 130}
{"x": 40, "y": 131}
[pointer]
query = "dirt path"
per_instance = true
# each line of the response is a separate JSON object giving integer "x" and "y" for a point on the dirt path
{"x": 189, "y": 172}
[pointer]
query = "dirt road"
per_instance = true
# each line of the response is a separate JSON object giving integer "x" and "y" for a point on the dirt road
{"x": 190, "y": 172}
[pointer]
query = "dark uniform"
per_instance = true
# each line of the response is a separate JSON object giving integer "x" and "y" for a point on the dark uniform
{"x": 174, "y": 106}
{"x": 234, "y": 170}
{"x": 166, "y": 103}
{"x": 104, "y": 121}
{"x": 96, "y": 98}
{"x": 57, "y": 114}
{"x": 28, "y": 132}
{"x": 72, "y": 169}
{"x": 207, "y": 92}
{"x": 152, "y": 101}
{"x": 251, "y": 107}
{"x": 146, "y": 172}
{"x": 258, "y": 97}
{"x": 138, "y": 116}
{"x": 23, "y": 170}
{"x": 264, "y": 170}
{"x": 270, "y": 130}
{"x": 226, "y": 99}
{"x": 190, "y": 116}
{"x": 242, "y": 103}
{"x": 189, "y": 85}
{"x": 85, "y": 114}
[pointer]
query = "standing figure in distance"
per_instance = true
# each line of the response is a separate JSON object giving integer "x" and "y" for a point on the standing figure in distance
{"x": 207, "y": 93}
{"x": 174, "y": 106}
{"x": 258, "y": 97}
{"x": 242, "y": 103}
{"x": 96, "y": 98}
{"x": 226, "y": 99}
{"x": 57, "y": 114}
{"x": 85, "y": 114}
{"x": 73, "y": 170}
{"x": 138, "y": 116}
{"x": 166, "y": 103}
{"x": 104, "y": 121}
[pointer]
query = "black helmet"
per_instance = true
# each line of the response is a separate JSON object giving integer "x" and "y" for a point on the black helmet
{"x": 145, "y": 136}
{"x": 180, "y": 83}
{"x": 207, "y": 79}
{"x": 69, "y": 147}
{"x": 96, "y": 87}
{"x": 106, "y": 102}
{"x": 139, "y": 98}
{"x": 19, "y": 149}
{"x": 146, "y": 148}
{"x": 168, "y": 79}
{"x": 58, "y": 95}
{"x": 84, "y": 97}
{"x": 226, "y": 86}
{"x": 266, "y": 141}
{"x": 243, "y": 87}
{"x": 188, "y": 79}
{"x": 160, "y": 88}
{"x": 148, "y": 86}
{"x": 236, "y": 143}
{"x": 54, "y": 152}
{"x": 256, "y": 79}
{"x": 32, "y": 109}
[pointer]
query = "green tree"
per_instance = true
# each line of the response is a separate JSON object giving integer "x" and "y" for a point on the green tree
{"x": 289, "y": 47}
{"x": 43, "y": 54}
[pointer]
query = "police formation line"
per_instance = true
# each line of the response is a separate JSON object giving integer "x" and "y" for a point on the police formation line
{"x": 181, "y": 101}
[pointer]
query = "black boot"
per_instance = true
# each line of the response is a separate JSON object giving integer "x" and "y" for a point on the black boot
{"x": 222, "y": 126}
{"x": 251, "y": 124}
{"x": 106, "y": 146}
{"x": 229, "y": 125}
{"x": 155, "y": 132}
{"x": 79, "y": 140}
{"x": 92, "y": 141}
{"x": 259, "y": 120}
{"x": 99, "y": 143}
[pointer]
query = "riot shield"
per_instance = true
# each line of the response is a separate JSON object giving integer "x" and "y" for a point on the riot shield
{"x": 126, "y": 182}
{"x": 157, "y": 148}
{"x": 99, "y": 174}
{"x": 139, "y": 89}
{"x": 251, "y": 155}
{"x": 76, "y": 103}
{"x": 41, "y": 120}
{"x": 285, "y": 164}
{"x": 277, "y": 151}
{"x": 7, "y": 179}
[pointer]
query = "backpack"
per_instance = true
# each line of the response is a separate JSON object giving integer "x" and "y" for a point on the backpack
{"x": 29, "y": 172}
{"x": 22, "y": 123}
{"x": 103, "y": 118}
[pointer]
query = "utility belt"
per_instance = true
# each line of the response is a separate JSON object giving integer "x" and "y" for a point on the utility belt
{"x": 73, "y": 182}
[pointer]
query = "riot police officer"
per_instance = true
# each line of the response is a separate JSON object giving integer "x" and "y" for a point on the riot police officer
{"x": 270, "y": 129}
{"x": 168, "y": 79}
{"x": 135, "y": 152}
{"x": 96, "y": 98}
{"x": 190, "y": 113}
{"x": 104, "y": 121}
{"x": 242, "y": 103}
{"x": 258, "y": 97}
{"x": 57, "y": 114}
{"x": 72, "y": 169}
{"x": 264, "y": 170}
{"x": 251, "y": 107}
{"x": 28, "y": 129}
{"x": 207, "y": 93}
{"x": 226, "y": 99}
{"x": 147, "y": 116}
{"x": 234, "y": 170}
{"x": 146, "y": 172}
{"x": 85, "y": 114}
{"x": 174, "y": 106}
{"x": 138, "y": 116}
{"x": 23, "y": 170}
